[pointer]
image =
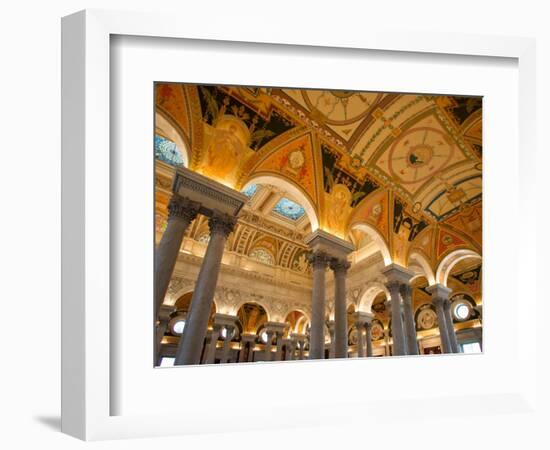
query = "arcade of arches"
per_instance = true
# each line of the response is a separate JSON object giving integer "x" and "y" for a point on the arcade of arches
{"x": 307, "y": 224}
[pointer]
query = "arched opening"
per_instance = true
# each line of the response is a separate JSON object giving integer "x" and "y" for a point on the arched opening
{"x": 289, "y": 201}
{"x": 297, "y": 322}
{"x": 370, "y": 293}
{"x": 374, "y": 243}
{"x": 252, "y": 317}
{"x": 167, "y": 132}
{"x": 449, "y": 261}
{"x": 421, "y": 267}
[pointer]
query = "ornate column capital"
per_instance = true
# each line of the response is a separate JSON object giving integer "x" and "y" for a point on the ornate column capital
{"x": 221, "y": 223}
{"x": 318, "y": 259}
{"x": 339, "y": 266}
{"x": 394, "y": 287}
{"x": 183, "y": 208}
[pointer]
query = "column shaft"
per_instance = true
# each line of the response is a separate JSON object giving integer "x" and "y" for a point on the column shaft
{"x": 408, "y": 315}
{"x": 369, "y": 339}
{"x": 211, "y": 352}
{"x": 227, "y": 344}
{"x": 453, "y": 342}
{"x": 268, "y": 346}
{"x": 398, "y": 332}
{"x": 442, "y": 322}
{"x": 195, "y": 328}
{"x": 340, "y": 268}
{"x": 360, "y": 339}
{"x": 317, "y": 332}
{"x": 182, "y": 211}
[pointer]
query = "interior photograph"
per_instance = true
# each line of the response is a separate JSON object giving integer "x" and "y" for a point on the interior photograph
{"x": 295, "y": 223}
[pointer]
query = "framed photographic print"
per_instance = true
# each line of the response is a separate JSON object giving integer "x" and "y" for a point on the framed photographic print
{"x": 295, "y": 221}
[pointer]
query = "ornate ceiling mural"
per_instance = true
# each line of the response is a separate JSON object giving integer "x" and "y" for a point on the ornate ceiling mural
{"x": 408, "y": 166}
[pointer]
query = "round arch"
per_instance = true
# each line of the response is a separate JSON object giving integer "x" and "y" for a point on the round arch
{"x": 377, "y": 238}
{"x": 418, "y": 260}
{"x": 449, "y": 261}
{"x": 302, "y": 320}
{"x": 165, "y": 127}
{"x": 252, "y": 302}
{"x": 295, "y": 191}
{"x": 371, "y": 290}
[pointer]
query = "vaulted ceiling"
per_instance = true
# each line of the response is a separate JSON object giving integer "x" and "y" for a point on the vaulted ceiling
{"x": 408, "y": 166}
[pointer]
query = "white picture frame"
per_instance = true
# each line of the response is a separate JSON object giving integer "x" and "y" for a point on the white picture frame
{"x": 87, "y": 355}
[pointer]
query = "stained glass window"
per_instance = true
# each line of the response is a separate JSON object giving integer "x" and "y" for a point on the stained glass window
{"x": 289, "y": 209}
{"x": 250, "y": 190}
{"x": 263, "y": 256}
{"x": 167, "y": 151}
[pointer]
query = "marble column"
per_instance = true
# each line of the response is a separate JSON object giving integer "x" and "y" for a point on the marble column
{"x": 211, "y": 351}
{"x": 181, "y": 212}
{"x": 268, "y": 345}
{"x": 408, "y": 315}
{"x": 221, "y": 225}
{"x": 287, "y": 344}
{"x": 340, "y": 268}
{"x": 279, "y": 343}
{"x": 397, "y": 328}
{"x": 440, "y": 295}
{"x": 330, "y": 326}
{"x": 247, "y": 347}
{"x": 387, "y": 349}
{"x": 450, "y": 327}
{"x": 368, "y": 327}
{"x": 229, "y": 330}
{"x": 207, "y": 341}
{"x": 319, "y": 262}
{"x": 397, "y": 276}
{"x": 299, "y": 344}
{"x": 162, "y": 325}
{"x": 360, "y": 320}
{"x": 360, "y": 327}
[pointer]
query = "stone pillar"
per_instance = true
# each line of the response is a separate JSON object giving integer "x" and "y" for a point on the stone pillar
{"x": 387, "y": 349}
{"x": 299, "y": 343}
{"x": 229, "y": 330}
{"x": 330, "y": 326}
{"x": 361, "y": 319}
{"x": 211, "y": 351}
{"x": 247, "y": 343}
{"x": 340, "y": 268}
{"x": 197, "y": 320}
{"x": 440, "y": 295}
{"x": 268, "y": 345}
{"x": 408, "y": 315}
{"x": 397, "y": 328}
{"x": 360, "y": 326}
{"x": 450, "y": 327}
{"x": 397, "y": 276}
{"x": 319, "y": 263}
{"x": 279, "y": 343}
{"x": 368, "y": 326}
{"x": 287, "y": 343}
{"x": 181, "y": 212}
{"x": 162, "y": 325}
